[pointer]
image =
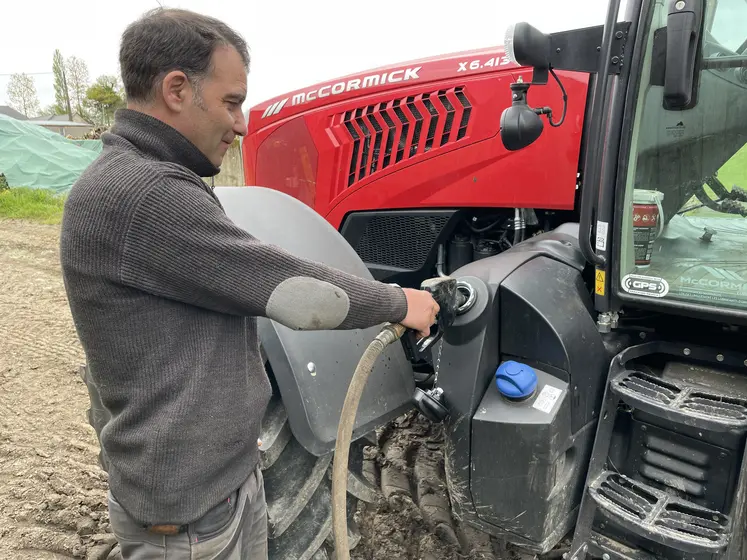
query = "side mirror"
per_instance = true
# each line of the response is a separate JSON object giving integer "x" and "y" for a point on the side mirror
{"x": 520, "y": 124}
{"x": 528, "y": 46}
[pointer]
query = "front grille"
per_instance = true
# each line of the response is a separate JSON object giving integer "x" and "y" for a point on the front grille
{"x": 411, "y": 126}
{"x": 400, "y": 241}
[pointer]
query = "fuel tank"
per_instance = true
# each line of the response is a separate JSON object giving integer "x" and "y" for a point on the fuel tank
{"x": 523, "y": 374}
{"x": 422, "y": 134}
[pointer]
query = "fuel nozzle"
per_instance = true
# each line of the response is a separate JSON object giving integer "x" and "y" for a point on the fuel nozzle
{"x": 444, "y": 289}
{"x": 449, "y": 299}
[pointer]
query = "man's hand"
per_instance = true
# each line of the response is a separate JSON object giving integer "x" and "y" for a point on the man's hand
{"x": 421, "y": 311}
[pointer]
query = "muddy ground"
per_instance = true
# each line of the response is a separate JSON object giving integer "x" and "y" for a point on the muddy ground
{"x": 52, "y": 490}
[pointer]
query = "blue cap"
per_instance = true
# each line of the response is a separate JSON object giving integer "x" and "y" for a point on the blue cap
{"x": 515, "y": 380}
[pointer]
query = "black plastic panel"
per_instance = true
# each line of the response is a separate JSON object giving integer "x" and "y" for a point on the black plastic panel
{"x": 685, "y": 467}
{"x": 535, "y": 493}
{"x": 552, "y": 323}
{"x": 314, "y": 402}
{"x": 529, "y": 499}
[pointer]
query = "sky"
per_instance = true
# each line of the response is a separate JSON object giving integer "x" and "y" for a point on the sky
{"x": 294, "y": 44}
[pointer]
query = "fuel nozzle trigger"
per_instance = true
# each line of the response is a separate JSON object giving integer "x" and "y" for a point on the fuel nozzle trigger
{"x": 444, "y": 291}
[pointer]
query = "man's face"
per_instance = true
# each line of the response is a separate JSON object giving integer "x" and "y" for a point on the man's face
{"x": 213, "y": 118}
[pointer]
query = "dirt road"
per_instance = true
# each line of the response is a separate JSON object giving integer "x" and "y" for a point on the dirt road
{"x": 52, "y": 491}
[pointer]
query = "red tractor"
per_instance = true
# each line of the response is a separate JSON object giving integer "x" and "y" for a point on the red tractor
{"x": 584, "y": 189}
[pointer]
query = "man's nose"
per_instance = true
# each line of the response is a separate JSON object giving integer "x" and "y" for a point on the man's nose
{"x": 239, "y": 126}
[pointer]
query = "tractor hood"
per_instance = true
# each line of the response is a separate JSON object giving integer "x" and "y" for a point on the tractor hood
{"x": 420, "y": 135}
{"x": 377, "y": 80}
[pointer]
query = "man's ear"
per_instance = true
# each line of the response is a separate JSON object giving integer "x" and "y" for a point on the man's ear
{"x": 175, "y": 90}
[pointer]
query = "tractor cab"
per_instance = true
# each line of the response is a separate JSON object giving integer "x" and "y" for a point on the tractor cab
{"x": 665, "y": 174}
{"x": 663, "y": 226}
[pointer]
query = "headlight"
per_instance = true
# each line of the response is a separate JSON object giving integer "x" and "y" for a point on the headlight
{"x": 508, "y": 43}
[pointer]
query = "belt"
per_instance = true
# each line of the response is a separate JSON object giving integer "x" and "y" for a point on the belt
{"x": 166, "y": 529}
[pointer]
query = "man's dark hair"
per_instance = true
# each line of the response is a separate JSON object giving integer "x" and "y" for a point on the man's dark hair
{"x": 163, "y": 40}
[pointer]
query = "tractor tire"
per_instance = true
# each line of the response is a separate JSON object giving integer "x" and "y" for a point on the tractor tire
{"x": 409, "y": 469}
{"x": 298, "y": 485}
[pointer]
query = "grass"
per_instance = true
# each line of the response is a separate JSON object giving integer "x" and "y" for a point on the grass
{"x": 734, "y": 171}
{"x": 38, "y": 205}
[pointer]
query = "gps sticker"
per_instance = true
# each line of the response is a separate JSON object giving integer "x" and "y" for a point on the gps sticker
{"x": 650, "y": 286}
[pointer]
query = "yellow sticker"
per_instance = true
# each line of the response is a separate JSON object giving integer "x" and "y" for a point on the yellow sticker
{"x": 599, "y": 283}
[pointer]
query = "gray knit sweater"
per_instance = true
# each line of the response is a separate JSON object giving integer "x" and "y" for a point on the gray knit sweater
{"x": 164, "y": 290}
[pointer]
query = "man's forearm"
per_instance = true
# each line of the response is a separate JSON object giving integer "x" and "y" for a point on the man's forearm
{"x": 192, "y": 252}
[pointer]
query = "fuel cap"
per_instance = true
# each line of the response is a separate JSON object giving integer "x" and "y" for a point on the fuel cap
{"x": 515, "y": 381}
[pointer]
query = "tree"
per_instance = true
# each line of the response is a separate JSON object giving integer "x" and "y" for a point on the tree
{"x": 77, "y": 80}
{"x": 22, "y": 95}
{"x": 49, "y": 110}
{"x": 61, "y": 91}
{"x": 106, "y": 97}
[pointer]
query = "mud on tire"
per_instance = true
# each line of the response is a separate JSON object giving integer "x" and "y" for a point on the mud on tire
{"x": 408, "y": 466}
{"x": 298, "y": 485}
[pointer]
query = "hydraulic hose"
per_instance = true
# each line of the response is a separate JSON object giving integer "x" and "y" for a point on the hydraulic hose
{"x": 389, "y": 333}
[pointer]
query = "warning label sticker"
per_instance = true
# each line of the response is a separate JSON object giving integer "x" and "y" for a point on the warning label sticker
{"x": 599, "y": 281}
{"x": 547, "y": 398}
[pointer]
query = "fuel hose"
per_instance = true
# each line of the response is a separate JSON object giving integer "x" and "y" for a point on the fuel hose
{"x": 391, "y": 332}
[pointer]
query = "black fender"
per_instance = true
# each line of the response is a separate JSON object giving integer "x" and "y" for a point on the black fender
{"x": 313, "y": 368}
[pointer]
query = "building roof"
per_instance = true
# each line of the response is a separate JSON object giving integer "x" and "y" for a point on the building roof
{"x": 53, "y": 117}
{"x": 11, "y": 112}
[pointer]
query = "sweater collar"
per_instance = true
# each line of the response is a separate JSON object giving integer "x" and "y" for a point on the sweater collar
{"x": 158, "y": 140}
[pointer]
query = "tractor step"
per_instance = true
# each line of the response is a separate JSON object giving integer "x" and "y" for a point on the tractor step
{"x": 638, "y": 492}
{"x": 679, "y": 402}
{"x": 658, "y": 516}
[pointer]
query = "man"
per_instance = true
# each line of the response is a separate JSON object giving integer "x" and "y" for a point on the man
{"x": 165, "y": 290}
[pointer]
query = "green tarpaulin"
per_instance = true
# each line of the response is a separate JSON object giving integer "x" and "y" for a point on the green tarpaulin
{"x": 32, "y": 156}
{"x": 94, "y": 145}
